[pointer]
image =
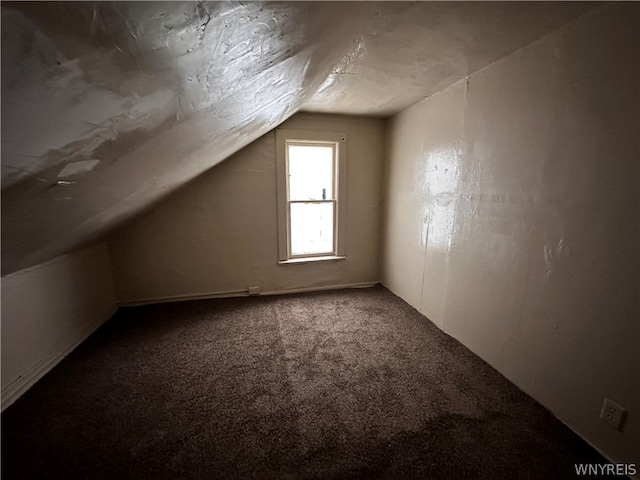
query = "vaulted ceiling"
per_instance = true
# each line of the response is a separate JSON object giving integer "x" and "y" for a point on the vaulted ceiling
{"x": 109, "y": 107}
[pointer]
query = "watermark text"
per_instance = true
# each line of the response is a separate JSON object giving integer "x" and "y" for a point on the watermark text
{"x": 619, "y": 469}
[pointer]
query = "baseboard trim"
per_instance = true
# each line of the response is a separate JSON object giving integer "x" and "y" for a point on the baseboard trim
{"x": 236, "y": 293}
{"x": 182, "y": 298}
{"x": 24, "y": 382}
{"x": 319, "y": 289}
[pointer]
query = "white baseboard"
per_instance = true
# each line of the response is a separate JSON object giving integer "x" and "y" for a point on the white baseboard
{"x": 15, "y": 389}
{"x": 319, "y": 289}
{"x": 235, "y": 293}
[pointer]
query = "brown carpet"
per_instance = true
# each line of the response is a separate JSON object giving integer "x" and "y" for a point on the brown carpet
{"x": 342, "y": 384}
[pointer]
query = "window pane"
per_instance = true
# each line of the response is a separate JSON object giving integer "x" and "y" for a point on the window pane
{"x": 310, "y": 172}
{"x": 311, "y": 228}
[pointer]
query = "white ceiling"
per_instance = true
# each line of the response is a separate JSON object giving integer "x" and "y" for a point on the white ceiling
{"x": 109, "y": 107}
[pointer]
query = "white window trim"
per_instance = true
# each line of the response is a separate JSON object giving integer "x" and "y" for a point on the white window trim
{"x": 283, "y": 136}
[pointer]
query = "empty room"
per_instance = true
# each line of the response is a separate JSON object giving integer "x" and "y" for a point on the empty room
{"x": 320, "y": 240}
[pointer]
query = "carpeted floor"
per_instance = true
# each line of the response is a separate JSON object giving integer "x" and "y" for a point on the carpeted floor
{"x": 342, "y": 384}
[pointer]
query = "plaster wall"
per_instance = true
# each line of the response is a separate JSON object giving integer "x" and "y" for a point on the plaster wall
{"x": 48, "y": 310}
{"x": 219, "y": 235}
{"x": 109, "y": 107}
{"x": 511, "y": 219}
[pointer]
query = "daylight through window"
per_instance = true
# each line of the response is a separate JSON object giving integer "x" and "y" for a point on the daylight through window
{"x": 311, "y": 201}
{"x": 310, "y": 210}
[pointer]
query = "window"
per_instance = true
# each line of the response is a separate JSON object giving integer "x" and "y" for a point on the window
{"x": 311, "y": 169}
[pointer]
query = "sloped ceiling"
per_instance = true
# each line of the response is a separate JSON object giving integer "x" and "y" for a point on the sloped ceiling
{"x": 109, "y": 107}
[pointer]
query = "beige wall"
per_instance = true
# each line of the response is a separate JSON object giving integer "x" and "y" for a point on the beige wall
{"x": 219, "y": 234}
{"x": 48, "y": 310}
{"x": 511, "y": 219}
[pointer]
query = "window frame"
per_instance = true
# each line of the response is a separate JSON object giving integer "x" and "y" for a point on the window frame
{"x": 338, "y": 140}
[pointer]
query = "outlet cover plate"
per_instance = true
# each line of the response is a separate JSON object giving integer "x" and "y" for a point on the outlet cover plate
{"x": 612, "y": 414}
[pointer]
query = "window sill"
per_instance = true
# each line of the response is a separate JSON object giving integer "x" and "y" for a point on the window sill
{"x": 326, "y": 258}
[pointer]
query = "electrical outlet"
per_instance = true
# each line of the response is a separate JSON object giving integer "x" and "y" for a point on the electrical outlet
{"x": 254, "y": 290}
{"x": 612, "y": 414}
